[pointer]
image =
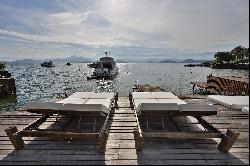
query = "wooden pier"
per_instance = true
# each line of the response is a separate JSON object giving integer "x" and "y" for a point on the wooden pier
{"x": 120, "y": 149}
{"x": 195, "y": 65}
{"x": 7, "y": 84}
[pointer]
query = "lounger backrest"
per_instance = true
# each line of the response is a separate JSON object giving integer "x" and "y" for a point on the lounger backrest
{"x": 42, "y": 106}
{"x": 152, "y": 95}
{"x": 93, "y": 95}
{"x": 233, "y": 102}
{"x": 142, "y": 95}
{"x": 73, "y": 101}
{"x": 164, "y": 95}
{"x": 70, "y": 105}
{"x": 157, "y": 107}
{"x": 81, "y": 95}
{"x": 137, "y": 101}
{"x": 105, "y": 102}
{"x": 79, "y": 102}
{"x": 103, "y": 95}
{"x": 177, "y": 101}
{"x": 156, "y": 101}
{"x": 83, "y": 108}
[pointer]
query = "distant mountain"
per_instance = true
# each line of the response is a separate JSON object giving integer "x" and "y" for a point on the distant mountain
{"x": 71, "y": 59}
{"x": 168, "y": 61}
{"x": 25, "y": 61}
{"x": 121, "y": 61}
{"x": 192, "y": 61}
{"x": 182, "y": 61}
{"x": 74, "y": 59}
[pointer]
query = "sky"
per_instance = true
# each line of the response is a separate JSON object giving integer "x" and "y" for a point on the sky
{"x": 167, "y": 29}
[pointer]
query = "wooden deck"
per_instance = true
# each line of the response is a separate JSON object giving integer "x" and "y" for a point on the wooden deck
{"x": 121, "y": 145}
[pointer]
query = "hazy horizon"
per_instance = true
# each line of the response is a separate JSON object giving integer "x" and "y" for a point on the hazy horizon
{"x": 142, "y": 29}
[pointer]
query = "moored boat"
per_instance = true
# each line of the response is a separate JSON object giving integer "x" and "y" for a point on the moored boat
{"x": 47, "y": 64}
{"x": 104, "y": 68}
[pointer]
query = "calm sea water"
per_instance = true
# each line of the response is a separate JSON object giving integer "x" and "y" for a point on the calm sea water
{"x": 35, "y": 83}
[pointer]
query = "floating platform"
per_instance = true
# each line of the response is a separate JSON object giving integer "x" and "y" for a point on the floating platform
{"x": 195, "y": 65}
{"x": 121, "y": 144}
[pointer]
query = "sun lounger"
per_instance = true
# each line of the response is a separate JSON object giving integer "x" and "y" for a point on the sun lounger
{"x": 167, "y": 118}
{"x": 86, "y": 115}
{"x": 233, "y": 102}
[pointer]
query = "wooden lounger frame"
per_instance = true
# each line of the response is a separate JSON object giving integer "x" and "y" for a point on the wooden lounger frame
{"x": 227, "y": 140}
{"x": 32, "y": 130}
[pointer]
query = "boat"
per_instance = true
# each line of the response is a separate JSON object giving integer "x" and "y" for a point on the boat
{"x": 104, "y": 68}
{"x": 47, "y": 64}
{"x": 68, "y": 64}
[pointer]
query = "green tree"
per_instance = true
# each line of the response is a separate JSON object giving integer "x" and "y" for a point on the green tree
{"x": 240, "y": 54}
{"x": 220, "y": 57}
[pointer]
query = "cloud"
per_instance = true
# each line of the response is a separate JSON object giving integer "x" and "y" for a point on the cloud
{"x": 168, "y": 24}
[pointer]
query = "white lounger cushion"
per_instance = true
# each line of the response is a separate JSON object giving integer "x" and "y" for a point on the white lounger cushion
{"x": 43, "y": 106}
{"x": 86, "y": 95}
{"x": 60, "y": 107}
{"x": 177, "y": 101}
{"x": 103, "y": 95}
{"x": 137, "y": 101}
{"x": 105, "y": 102}
{"x": 234, "y": 102}
{"x": 73, "y": 101}
{"x": 164, "y": 95}
{"x": 142, "y": 95}
{"x": 151, "y": 95}
{"x": 81, "y": 95}
{"x": 85, "y": 108}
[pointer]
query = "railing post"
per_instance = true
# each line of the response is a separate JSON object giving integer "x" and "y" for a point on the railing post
{"x": 130, "y": 99}
{"x": 138, "y": 141}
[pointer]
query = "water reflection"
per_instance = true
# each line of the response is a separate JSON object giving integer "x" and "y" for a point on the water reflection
{"x": 104, "y": 86}
{"x": 35, "y": 83}
{"x": 8, "y": 103}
